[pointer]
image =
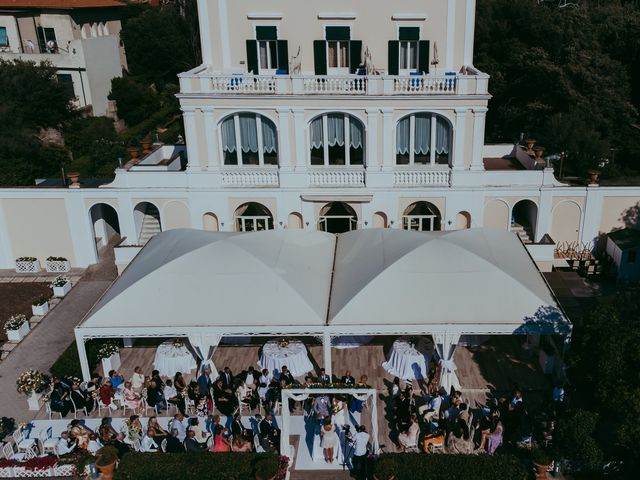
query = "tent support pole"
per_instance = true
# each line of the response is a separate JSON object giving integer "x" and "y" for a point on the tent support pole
{"x": 326, "y": 351}
{"x": 82, "y": 354}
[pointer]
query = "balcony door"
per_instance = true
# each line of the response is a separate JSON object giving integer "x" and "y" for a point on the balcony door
{"x": 337, "y": 217}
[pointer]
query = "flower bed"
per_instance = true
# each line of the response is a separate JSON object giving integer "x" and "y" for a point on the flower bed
{"x": 27, "y": 265}
{"x": 222, "y": 466}
{"x": 57, "y": 265}
{"x": 36, "y": 467}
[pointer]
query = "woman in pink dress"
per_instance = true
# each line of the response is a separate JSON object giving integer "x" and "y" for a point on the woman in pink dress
{"x": 221, "y": 441}
{"x": 131, "y": 398}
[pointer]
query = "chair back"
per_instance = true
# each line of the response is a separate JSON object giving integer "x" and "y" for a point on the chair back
{"x": 7, "y": 451}
{"x": 73, "y": 404}
{"x": 163, "y": 445}
{"x": 137, "y": 446}
{"x": 43, "y": 435}
{"x": 18, "y": 436}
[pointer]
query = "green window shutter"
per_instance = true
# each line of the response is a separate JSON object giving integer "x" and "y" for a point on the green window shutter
{"x": 394, "y": 61}
{"x": 266, "y": 33}
{"x": 320, "y": 57}
{"x": 409, "y": 33}
{"x": 252, "y": 56}
{"x": 338, "y": 33}
{"x": 423, "y": 56}
{"x": 283, "y": 56}
{"x": 355, "y": 55}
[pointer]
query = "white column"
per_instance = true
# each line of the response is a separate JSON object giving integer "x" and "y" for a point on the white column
{"x": 326, "y": 354}
{"x": 372, "y": 139}
{"x": 469, "y": 31}
{"x": 451, "y": 34}
{"x": 126, "y": 220}
{"x": 543, "y": 220}
{"x": 191, "y": 138}
{"x": 284, "y": 142}
{"x": 285, "y": 427}
{"x": 82, "y": 355}
{"x": 592, "y": 215}
{"x": 204, "y": 25}
{"x": 457, "y": 162}
{"x": 301, "y": 144}
{"x": 388, "y": 158}
{"x": 211, "y": 135}
{"x": 479, "y": 115}
{"x": 6, "y": 253}
{"x": 223, "y": 26}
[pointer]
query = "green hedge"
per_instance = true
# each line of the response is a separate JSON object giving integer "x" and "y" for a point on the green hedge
{"x": 68, "y": 364}
{"x": 412, "y": 466}
{"x": 174, "y": 466}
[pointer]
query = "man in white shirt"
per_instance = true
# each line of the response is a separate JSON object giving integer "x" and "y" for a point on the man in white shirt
{"x": 359, "y": 460}
{"x": 178, "y": 424}
{"x": 434, "y": 407}
{"x": 64, "y": 445}
{"x": 147, "y": 444}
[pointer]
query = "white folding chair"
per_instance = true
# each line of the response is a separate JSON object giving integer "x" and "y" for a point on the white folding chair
{"x": 256, "y": 444}
{"x": 145, "y": 406}
{"x": 137, "y": 446}
{"x": 47, "y": 407}
{"x": 23, "y": 444}
{"x": 9, "y": 454}
{"x": 163, "y": 445}
{"x": 189, "y": 405}
{"x": 47, "y": 442}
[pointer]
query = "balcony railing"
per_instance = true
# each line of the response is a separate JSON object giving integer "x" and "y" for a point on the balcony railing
{"x": 248, "y": 84}
{"x": 263, "y": 177}
{"x": 336, "y": 177}
{"x": 421, "y": 178}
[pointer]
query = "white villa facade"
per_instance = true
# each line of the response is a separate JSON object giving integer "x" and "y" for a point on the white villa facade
{"x": 333, "y": 115}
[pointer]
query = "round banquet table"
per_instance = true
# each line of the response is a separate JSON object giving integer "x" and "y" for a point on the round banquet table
{"x": 409, "y": 361}
{"x": 170, "y": 359}
{"x": 294, "y": 356}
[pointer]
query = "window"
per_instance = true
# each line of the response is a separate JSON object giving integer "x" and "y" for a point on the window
{"x": 338, "y": 55}
{"x": 336, "y": 139}
{"x": 266, "y": 55}
{"x": 249, "y": 139}
{"x": 408, "y": 55}
{"x": 4, "y": 40}
{"x": 423, "y": 138}
{"x": 66, "y": 80}
{"x": 631, "y": 256}
{"x": 252, "y": 217}
{"x": 47, "y": 40}
{"x": 421, "y": 216}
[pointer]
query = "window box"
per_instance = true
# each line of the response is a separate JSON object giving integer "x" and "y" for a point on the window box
{"x": 18, "y": 334}
{"x": 27, "y": 265}
{"x": 57, "y": 265}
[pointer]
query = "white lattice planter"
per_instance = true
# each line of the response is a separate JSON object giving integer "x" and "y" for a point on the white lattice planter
{"x": 111, "y": 363}
{"x": 22, "y": 472}
{"x": 27, "y": 266}
{"x": 40, "y": 310}
{"x": 18, "y": 334}
{"x": 62, "y": 290}
{"x": 6, "y": 472}
{"x": 57, "y": 266}
{"x": 64, "y": 470}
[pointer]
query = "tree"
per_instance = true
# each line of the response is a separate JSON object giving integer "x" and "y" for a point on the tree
{"x": 136, "y": 101}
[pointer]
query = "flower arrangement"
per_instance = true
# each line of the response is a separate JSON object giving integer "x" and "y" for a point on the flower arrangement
{"x": 329, "y": 385}
{"x": 178, "y": 343}
{"x": 56, "y": 259}
{"x": 283, "y": 343}
{"x": 107, "y": 349}
{"x": 40, "y": 301}
{"x": 32, "y": 381}
{"x": 15, "y": 322}
{"x": 59, "y": 281}
{"x": 26, "y": 259}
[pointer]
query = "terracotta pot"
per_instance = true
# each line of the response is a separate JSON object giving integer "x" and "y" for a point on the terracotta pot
{"x": 107, "y": 470}
{"x": 530, "y": 143}
{"x": 594, "y": 176}
{"x": 133, "y": 152}
{"x": 538, "y": 152}
{"x": 146, "y": 146}
{"x": 541, "y": 470}
{"x": 73, "y": 177}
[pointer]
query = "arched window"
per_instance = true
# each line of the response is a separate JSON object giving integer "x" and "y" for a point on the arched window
{"x": 249, "y": 139}
{"x": 336, "y": 139}
{"x": 421, "y": 216}
{"x": 423, "y": 138}
{"x": 337, "y": 217}
{"x": 252, "y": 216}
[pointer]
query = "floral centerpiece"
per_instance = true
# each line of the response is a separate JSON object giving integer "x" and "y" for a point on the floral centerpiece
{"x": 32, "y": 383}
{"x": 16, "y": 327}
{"x": 283, "y": 343}
{"x": 178, "y": 343}
{"x": 107, "y": 350}
{"x": 61, "y": 285}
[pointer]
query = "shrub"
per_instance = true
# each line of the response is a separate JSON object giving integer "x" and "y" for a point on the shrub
{"x": 574, "y": 438}
{"x": 451, "y": 467}
{"x": 68, "y": 364}
{"x": 218, "y": 466}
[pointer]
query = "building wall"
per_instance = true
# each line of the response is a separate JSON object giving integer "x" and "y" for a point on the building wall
{"x": 102, "y": 60}
{"x": 619, "y": 212}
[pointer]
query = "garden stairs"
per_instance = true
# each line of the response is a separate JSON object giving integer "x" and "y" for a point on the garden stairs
{"x": 150, "y": 224}
{"x": 524, "y": 232}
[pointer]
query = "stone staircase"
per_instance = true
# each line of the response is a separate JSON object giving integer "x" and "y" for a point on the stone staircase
{"x": 150, "y": 224}
{"x": 524, "y": 232}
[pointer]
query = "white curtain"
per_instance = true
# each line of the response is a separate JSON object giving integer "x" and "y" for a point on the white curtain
{"x": 228, "y": 135}
{"x": 269, "y": 136}
{"x": 248, "y": 133}
{"x": 442, "y": 136}
{"x": 204, "y": 344}
{"x": 335, "y": 127}
{"x": 445, "y": 344}
{"x": 315, "y": 130}
{"x": 422, "y": 134}
{"x": 356, "y": 133}
{"x": 403, "y": 130}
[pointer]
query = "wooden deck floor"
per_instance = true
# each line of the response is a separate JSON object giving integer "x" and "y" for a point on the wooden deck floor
{"x": 485, "y": 371}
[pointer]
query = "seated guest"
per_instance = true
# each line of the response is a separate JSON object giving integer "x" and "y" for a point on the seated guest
{"x": 402, "y": 412}
{"x": 193, "y": 391}
{"x": 269, "y": 433}
{"x": 133, "y": 430}
{"x": 191, "y": 445}
{"x": 116, "y": 379}
{"x": 457, "y": 442}
{"x": 486, "y": 423}
{"x": 237, "y": 428}
{"x": 409, "y": 437}
{"x": 463, "y": 413}
{"x": 263, "y": 391}
{"x": 80, "y": 433}
{"x": 148, "y": 443}
{"x": 347, "y": 379}
{"x": 174, "y": 445}
{"x": 286, "y": 376}
{"x": 137, "y": 380}
{"x": 273, "y": 395}
{"x": 155, "y": 431}
{"x": 178, "y": 424}
{"x": 321, "y": 407}
{"x": 172, "y": 396}
{"x": 221, "y": 443}
{"x": 239, "y": 444}
{"x": 94, "y": 444}
{"x": 246, "y": 395}
{"x": 202, "y": 407}
{"x": 212, "y": 423}
{"x": 179, "y": 384}
{"x": 106, "y": 432}
{"x": 204, "y": 382}
{"x": 80, "y": 398}
{"x": 95, "y": 383}
{"x": 131, "y": 399}
{"x": 435, "y": 404}
{"x": 200, "y": 435}
{"x": 65, "y": 445}
{"x": 60, "y": 399}
{"x": 228, "y": 381}
{"x": 265, "y": 377}
{"x": 250, "y": 377}
{"x": 517, "y": 398}
{"x": 323, "y": 377}
{"x": 106, "y": 395}
{"x": 224, "y": 400}
{"x": 154, "y": 396}
{"x": 155, "y": 376}
{"x": 121, "y": 445}
{"x": 495, "y": 437}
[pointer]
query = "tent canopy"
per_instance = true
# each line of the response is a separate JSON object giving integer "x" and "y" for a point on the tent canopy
{"x": 475, "y": 281}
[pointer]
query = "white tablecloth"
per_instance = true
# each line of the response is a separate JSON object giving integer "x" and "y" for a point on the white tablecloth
{"x": 409, "y": 362}
{"x": 294, "y": 356}
{"x": 170, "y": 359}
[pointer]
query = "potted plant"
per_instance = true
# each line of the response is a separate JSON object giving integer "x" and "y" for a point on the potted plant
{"x": 109, "y": 353}
{"x": 106, "y": 459}
{"x": 146, "y": 143}
{"x": 385, "y": 469}
{"x": 40, "y": 306}
{"x": 267, "y": 468}
{"x": 57, "y": 265}
{"x": 61, "y": 286}
{"x": 594, "y": 176}
{"x": 27, "y": 265}
{"x": 541, "y": 461}
{"x": 32, "y": 383}
{"x": 73, "y": 178}
{"x": 17, "y": 327}
{"x": 133, "y": 151}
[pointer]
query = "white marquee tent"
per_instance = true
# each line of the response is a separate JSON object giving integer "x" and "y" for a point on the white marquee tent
{"x": 205, "y": 285}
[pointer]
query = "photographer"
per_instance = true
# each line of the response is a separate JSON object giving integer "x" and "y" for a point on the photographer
{"x": 360, "y": 451}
